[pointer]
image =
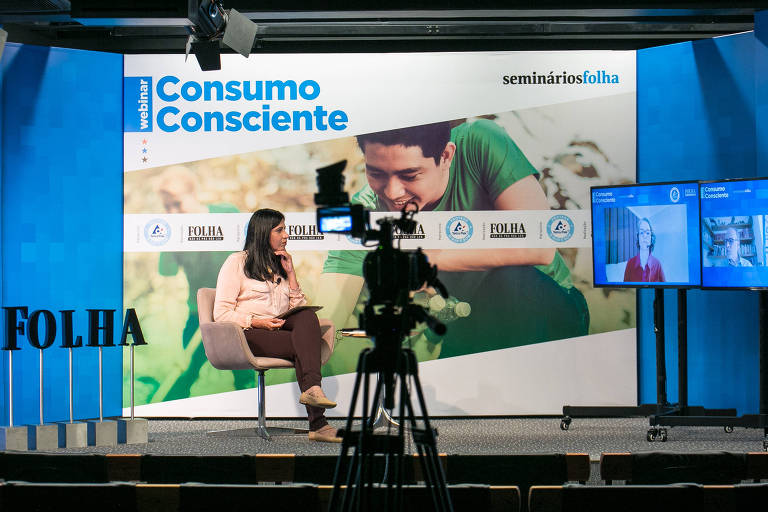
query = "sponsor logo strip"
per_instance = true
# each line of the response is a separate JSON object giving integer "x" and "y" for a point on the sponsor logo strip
{"x": 435, "y": 230}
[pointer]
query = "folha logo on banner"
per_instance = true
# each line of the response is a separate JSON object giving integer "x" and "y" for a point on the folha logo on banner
{"x": 507, "y": 230}
{"x": 210, "y": 233}
{"x": 418, "y": 233}
{"x": 303, "y": 232}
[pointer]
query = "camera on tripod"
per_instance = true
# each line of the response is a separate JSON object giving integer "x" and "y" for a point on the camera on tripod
{"x": 389, "y": 315}
{"x": 391, "y": 274}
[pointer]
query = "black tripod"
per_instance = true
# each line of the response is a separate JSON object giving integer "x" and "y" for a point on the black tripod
{"x": 386, "y": 359}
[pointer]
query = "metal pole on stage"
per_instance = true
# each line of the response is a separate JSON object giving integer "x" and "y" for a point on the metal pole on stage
{"x": 12, "y": 438}
{"x": 132, "y": 430}
{"x": 41, "y": 387}
{"x": 71, "y": 392}
{"x": 72, "y": 434}
{"x": 101, "y": 386}
{"x": 682, "y": 351}
{"x": 46, "y": 437}
{"x": 132, "y": 402}
{"x": 662, "y": 405}
{"x": 687, "y": 415}
{"x": 661, "y": 362}
{"x": 10, "y": 388}
{"x": 102, "y": 433}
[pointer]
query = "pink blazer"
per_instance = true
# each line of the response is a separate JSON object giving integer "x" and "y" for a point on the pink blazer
{"x": 238, "y": 297}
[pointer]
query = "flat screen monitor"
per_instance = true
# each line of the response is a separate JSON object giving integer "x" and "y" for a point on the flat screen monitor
{"x": 646, "y": 235}
{"x": 733, "y": 236}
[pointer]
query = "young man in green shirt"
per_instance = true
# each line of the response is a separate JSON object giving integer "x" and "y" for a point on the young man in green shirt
{"x": 518, "y": 296}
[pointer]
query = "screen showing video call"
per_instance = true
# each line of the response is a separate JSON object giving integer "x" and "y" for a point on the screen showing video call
{"x": 733, "y": 247}
{"x": 646, "y": 235}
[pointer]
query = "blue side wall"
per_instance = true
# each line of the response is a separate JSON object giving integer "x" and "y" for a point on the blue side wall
{"x": 62, "y": 206}
{"x": 761, "y": 92}
{"x": 696, "y": 117}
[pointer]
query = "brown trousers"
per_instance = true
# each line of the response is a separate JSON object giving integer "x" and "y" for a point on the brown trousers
{"x": 298, "y": 340}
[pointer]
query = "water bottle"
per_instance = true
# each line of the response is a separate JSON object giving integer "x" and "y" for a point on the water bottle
{"x": 452, "y": 310}
{"x": 421, "y": 298}
{"x": 445, "y": 310}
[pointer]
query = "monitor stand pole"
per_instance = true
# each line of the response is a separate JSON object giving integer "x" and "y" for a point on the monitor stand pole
{"x": 643, "y": 410}
{"x": 695, "y": 416}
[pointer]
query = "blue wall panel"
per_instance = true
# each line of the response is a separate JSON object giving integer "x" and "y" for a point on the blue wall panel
{"x": 761, "y": 92}
{"x": 62, "y": 217}
{"x": 3, "y": 386}
{"x": 696, "y": 120}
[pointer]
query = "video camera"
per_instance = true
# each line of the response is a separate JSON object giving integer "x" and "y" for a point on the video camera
{"x": 389, "y": 315}
{"x": 391, "y": 274}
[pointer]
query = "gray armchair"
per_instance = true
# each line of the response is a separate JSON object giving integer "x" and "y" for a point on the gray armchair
{"x": 226, "y": 349}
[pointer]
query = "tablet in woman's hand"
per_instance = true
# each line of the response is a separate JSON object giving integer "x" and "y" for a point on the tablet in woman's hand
{"x": 297, "y": 309}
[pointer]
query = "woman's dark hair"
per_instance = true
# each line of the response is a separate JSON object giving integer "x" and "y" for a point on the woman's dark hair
{"x": 261, "y": 263}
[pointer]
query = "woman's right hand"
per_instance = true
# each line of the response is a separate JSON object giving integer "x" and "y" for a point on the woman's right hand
{"x": 270, "y": 324}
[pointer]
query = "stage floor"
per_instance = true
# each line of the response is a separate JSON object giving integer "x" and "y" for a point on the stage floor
{"x": 466, "y": 436}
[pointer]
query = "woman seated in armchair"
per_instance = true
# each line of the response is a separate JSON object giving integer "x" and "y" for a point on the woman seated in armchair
{"x": 254, "y": 287}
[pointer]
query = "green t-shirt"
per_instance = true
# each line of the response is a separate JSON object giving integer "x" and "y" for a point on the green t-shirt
{"x": 486, "y": 163}
{"x": 201, "y": 268}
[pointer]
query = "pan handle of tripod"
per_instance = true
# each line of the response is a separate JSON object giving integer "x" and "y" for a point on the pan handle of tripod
{"x": 422, "y": 316}
{"x": 435, "y": 283}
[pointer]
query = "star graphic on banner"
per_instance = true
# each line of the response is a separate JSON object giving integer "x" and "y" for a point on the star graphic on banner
{"x": 144, "y": 141}
{"x": 144, "y": 159}
{"x": 144, "y": 150}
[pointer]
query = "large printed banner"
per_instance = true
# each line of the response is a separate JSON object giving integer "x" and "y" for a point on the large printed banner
{"x": 497, "y": 149}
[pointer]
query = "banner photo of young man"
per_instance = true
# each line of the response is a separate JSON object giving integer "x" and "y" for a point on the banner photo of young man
{"x": 504, "y": 214}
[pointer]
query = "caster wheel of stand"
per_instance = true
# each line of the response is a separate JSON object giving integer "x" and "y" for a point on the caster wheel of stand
{"x": 565, "y": 423}
{"x": 765, "y": 446}
{"x": 728, "y": 429}
{"x": 651, "y": 435}
{"x": 663, "y": 435}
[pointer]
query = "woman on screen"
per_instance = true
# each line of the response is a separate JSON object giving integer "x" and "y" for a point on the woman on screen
{"x": 257, "y": 285}
{"x": 644, "y": 267}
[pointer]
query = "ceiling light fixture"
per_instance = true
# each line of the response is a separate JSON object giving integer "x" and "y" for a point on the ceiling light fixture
{"x": 213, "y": 25}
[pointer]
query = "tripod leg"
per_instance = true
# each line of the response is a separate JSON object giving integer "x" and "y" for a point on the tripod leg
{"x": 368, "y": 453}
{"x": 401, "y": 431}
{"x": 356, "y": 482}
{"x": 425, "y": 442}
{"x": 359, "y": 493}
{"x": 364, "y": 476}
{"x": 432, "y": 478}
{"x": 336, "y": 491}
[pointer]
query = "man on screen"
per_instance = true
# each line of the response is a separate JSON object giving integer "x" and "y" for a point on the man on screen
{"x": 644, "y": 267}
{"x": 517, "y": 296}
{"x": 732, "y": 249}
